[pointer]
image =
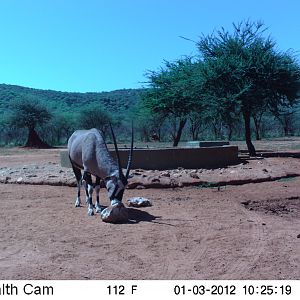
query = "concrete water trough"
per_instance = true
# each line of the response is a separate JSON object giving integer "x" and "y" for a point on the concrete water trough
{"x": 197, "y": 144}
{"x": 172, "y": 158}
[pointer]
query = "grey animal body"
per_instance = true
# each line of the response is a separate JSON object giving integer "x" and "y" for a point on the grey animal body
{"x": 88, "y": 152}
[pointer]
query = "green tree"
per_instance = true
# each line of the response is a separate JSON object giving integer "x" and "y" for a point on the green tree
{"x": 149, "y": 124}
{"x": 59, "y": 128}
{"x": 197, "y": 124}
{"x": 172, "y": 93}
{"x": 244, "y": 70}
{"x": 29, "y": 113}
{"x": 93, "y": 116}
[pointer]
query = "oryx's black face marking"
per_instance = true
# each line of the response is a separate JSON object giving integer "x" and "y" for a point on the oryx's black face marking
{"x": 115, "y": 187}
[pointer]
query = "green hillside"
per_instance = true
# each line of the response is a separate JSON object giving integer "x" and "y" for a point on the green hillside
{"x": 66, "y": 109}
{"x": 117, "y": 102}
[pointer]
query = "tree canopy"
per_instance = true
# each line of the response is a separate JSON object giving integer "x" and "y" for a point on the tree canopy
{"x": 94, "y": 116}
{"x": 29, "y": 113}
{"x": 245, "y": 73}
{"x": 173, "y": 92}
{"x": 236, "y": 73}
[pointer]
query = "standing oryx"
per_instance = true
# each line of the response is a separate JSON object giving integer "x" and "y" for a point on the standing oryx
{"x": 88, "y": 151}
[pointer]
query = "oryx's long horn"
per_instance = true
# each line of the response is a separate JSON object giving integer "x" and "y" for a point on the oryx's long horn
{"x": 116, "y": 148}
{"x": 130, "y": 154}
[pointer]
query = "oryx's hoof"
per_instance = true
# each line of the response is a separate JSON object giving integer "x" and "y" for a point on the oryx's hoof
{"x": 115, "y": 213}
{"x": 77, "y": 203}
{"x": 99, "y": 209}
{"x": 90, "y": 212}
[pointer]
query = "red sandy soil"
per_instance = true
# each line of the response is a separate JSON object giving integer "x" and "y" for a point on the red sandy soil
{"x": 247, "y": 231}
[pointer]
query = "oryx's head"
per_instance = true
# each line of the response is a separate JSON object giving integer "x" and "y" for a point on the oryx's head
{"x": 116, "y": 184}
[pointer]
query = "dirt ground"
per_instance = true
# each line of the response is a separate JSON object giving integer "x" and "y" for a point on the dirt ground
{"x": 242, "y": 231}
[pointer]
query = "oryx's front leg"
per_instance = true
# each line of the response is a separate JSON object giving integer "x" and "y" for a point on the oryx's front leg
{"x": 97, "y": 188}
{"x": 89, "y": 192}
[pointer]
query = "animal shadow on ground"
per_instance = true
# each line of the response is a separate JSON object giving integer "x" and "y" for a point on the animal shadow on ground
{"x": 136, "y": 216}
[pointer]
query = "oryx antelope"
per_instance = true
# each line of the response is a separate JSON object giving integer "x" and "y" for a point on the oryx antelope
{"x": 88, "y": 152}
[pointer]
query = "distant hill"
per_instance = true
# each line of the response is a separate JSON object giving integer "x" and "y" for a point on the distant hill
{"x": 117, "y": 102}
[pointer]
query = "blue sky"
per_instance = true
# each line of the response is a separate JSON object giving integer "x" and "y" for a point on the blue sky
{"x": 97, "y": 45}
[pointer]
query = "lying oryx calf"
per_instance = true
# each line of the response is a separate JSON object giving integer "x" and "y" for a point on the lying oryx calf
{"x": 88, "y": 151}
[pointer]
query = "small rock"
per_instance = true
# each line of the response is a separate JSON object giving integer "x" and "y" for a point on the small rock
{"x": 137, "y": 173}
{"x": 298, "y": 236}
{"x": 165, "y": 174}
{"x": 155, "y": 180}
{"x": 263, "y": 223}
{"x": 139, "y": 202}
{"x": 115, "y": 213}
{"x": 140, "y": 187}
{"x": 177, "y": 175}
{"x": 245, "y": 202}
{"x": 20, "y": 179}
{"x": 194, "y": 175}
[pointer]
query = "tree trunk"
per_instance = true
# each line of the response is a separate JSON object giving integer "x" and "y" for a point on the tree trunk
{"x": 194, "y": 129}
{"x": 286, "y": 130}
{"x": 194, "y": 132}
{"x": 230, "y": 131}
{"x": 195, "y": 135}
{"x": 145, "y": 135}
{"x": 287, "y": 125}
{"x": 34, "y": 140}
{"x": 250, "y": 146}
{"x": 257, "y": 128}
{"x": 159, "y": 134}
{"x": 179, "y": 132}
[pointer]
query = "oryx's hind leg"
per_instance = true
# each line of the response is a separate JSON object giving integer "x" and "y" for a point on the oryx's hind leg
{"x": 85, "y": 186}
{"x": 77, "y": 173}
{"x": 97, "y": 188}
{"x": 89, "y": 192}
